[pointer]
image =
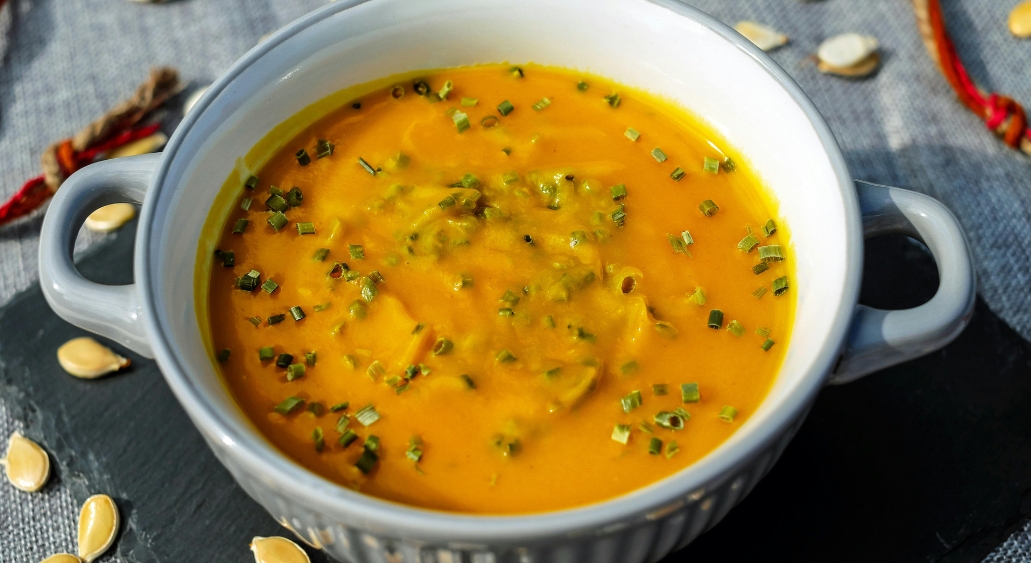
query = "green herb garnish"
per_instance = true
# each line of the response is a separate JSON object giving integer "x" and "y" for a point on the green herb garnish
{"x": 505, "y": 107}
{"x": 367, "y": 415}
{"x": 289, "y": 405}
{"x": 711, "y": 165}
{"x": 632, "y": 134}
{"x": 658, "y": 155}
{"x": 727, "y": 414}
{"x": 621, "y": 433}
{"x": 631, "y": 401}
{"x": 306, "y": 228}
{"x": 780, "y": 285}
{"x": 240, "y": 226}
{"x": 708, "y": 208}
{"x": 302, "y": 157}
{"x": 689, "y": 393}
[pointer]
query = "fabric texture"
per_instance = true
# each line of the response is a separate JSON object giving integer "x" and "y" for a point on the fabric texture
{"x": 64, "y": 62}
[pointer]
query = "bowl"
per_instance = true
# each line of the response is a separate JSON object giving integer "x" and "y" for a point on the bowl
{"x": 662, "y": 46}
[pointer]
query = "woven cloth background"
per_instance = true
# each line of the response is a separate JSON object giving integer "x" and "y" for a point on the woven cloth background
{"x": 63, "y": 62}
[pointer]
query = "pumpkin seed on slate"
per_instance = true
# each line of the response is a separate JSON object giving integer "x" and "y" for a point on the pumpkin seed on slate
{"x": 27, "y": 464}
{"x": 88, "y": 359}
{"x": 764, "y": 36}
{"x": 110, "y": 217}
{"x": 98, "y": 527}
{"x": 277, "y": 549}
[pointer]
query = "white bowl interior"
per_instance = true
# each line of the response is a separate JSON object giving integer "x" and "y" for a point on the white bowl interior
{"x": 635, "y": 42}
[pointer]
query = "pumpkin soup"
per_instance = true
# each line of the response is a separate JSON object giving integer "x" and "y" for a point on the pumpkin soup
{"x": 500, "y": 290}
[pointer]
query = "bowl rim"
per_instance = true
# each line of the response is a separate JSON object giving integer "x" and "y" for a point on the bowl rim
{"x": 328, "y": 498}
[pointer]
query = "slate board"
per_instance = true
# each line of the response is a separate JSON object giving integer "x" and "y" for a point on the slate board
{"x": 929, "y": 461}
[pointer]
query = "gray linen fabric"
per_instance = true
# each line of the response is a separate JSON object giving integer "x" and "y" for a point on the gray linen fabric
{"x": 65, "y": 61}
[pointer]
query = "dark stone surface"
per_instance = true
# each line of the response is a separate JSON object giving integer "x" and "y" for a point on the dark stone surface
{"x": 922, "y": 462}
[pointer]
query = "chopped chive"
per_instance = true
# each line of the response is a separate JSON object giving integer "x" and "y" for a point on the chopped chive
{"x": 671, "y": 449}
{"x": 367, "y": 415}
{"x": 228, "y": 258}
{"x": 296, "y": 312}
{"x": 446, "y": 202}
{"x": 275, "y": 191}
{"x": 613, "y": 100}
{"x": 339, "y": 406}
{"x": 269, "y": 286}
{"x": 347, "y": 438}
{"x": 414, "y": 453}
{"x": 411, "y": 371}
{"x": 505, "y": 107}
{"x": 632, "y": 134}
{"x": 683, "y": 414}
{"x": 276, "y": 203}
{"x": 442, "y": 346}
{"x": 276, "y": 319}
{"x": 655, "y": 446}
{"x": 728, "y": 165}
{"x": 698, "y": 296}
{"x": 516, "y": 72}
{"x": 323, "y": 148}
{"x": 510, "y": 298}
{"x": 489, "y": 122}
{"x": 302, "y": 157}
{"x": 708, "y": 208}
{"x": 689, "y": 393}
{"x": 316, "y": 408}
{"x": 760, "y": 268}
{"x": 660, "y": 389}
{"x": 762, "y": 331}
{"x": 631, "y": 401}
{"x": 678, "y": 244}
{"x": 548, "y": 321}
{"x": 342, "y": 423}
{"x": 759, "y": 292}
{"x": 658, "y": 155}
{"x": 767, "y": 344}
{"x": 277, "y": 220}
{"x": 669, "y": 421}
{"x": 446, "y": 89}
{"x": 356, "y": 251}
{"x": 715, "y": 319}
{"x": 318, "y": 438}
{"x": 629, "y": 368}
{"x": 294, "y": 371}
{"x": 240, "y": 226}
{"x": 421, "y": 87}
{"x": 223, "y": 355}
{"x": 506, "y": 150}
{"x": 619, "y": 216}
{"x": 366, "y": 166}
{"x": 506, "y": 312}
{"x": 306, "y": 228}
{"x": 771, "y": 253}
{"x": 320, "y": 307}
{"x": 769, "y": 228}
{"x": 553, "y": 372}
{"x": 780, "y": 285}
{"x": 424, "y": 369}
{"x": 666, "y": 329}
{"x": 376, "y": 277}
{"x": 294, "y": 197}
{"x": 505, "y": 357}
{"x": 463, "y": 281}
{"x": 245, "y": 203}
{"x": 748, "y": 244}
{"x": 618, "y": 192}
{"x": 247, "y": 283}
{"x": 469, "y": 181}
{"x": 251, "y": 183}
{"x": 469, "y": 102}
{"x": 468, "y": 380}
{"x": 581, "y": 86}
{"x": 352, "y": 361}
{"x": 711, "y": 165}
{"x": 310, "y": 357}
{"x": 418, "y": 328}
{"x": 461, "y": 121}
{"x": 621, "y": 433}
{"x": 375, "y": 370}
{"x": 401, "y": 389}
{"x": 289, "y": 405}
{"x": 677, "y": 173}
{"x": 727, "y": 414}
{"x": 543, "y": 103}
{"x": 577, "y": 238}
{"x": 368, "y": 290}
{"x": 367, "y": 462}
{"x": 254, "y": 320}
{"x": 582, "y": 334}
{"x": 320, "y": 255}
{"x": 735, "y": 328}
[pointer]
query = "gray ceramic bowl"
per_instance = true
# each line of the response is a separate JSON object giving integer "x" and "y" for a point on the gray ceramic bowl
{"x": 660, "y": 45}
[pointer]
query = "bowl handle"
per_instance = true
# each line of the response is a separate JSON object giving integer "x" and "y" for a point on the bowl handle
{"x": 113, "y": 311}
{"x": 879, "y": 338}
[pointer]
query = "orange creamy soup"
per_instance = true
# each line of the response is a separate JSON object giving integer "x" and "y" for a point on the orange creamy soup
{"x": 500, "y": 290}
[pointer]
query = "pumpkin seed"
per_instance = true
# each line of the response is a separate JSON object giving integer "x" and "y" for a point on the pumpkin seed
{"x": 62, "y": 558}
{"x": 110, "y": 217}
{"x": 192, "y": 100}
{"x": 846, "y": 50}
{"x": 27, "y": 464}
{"x": 1020, "y": 20}
{"x": 764, "y": 36}
{"x": 145, "y": 145}
{"x": 277, "y": 549}
{"x": 98, "y": 526}
{"x": 864, "y": 68}
{"x": 86, "y": 358}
